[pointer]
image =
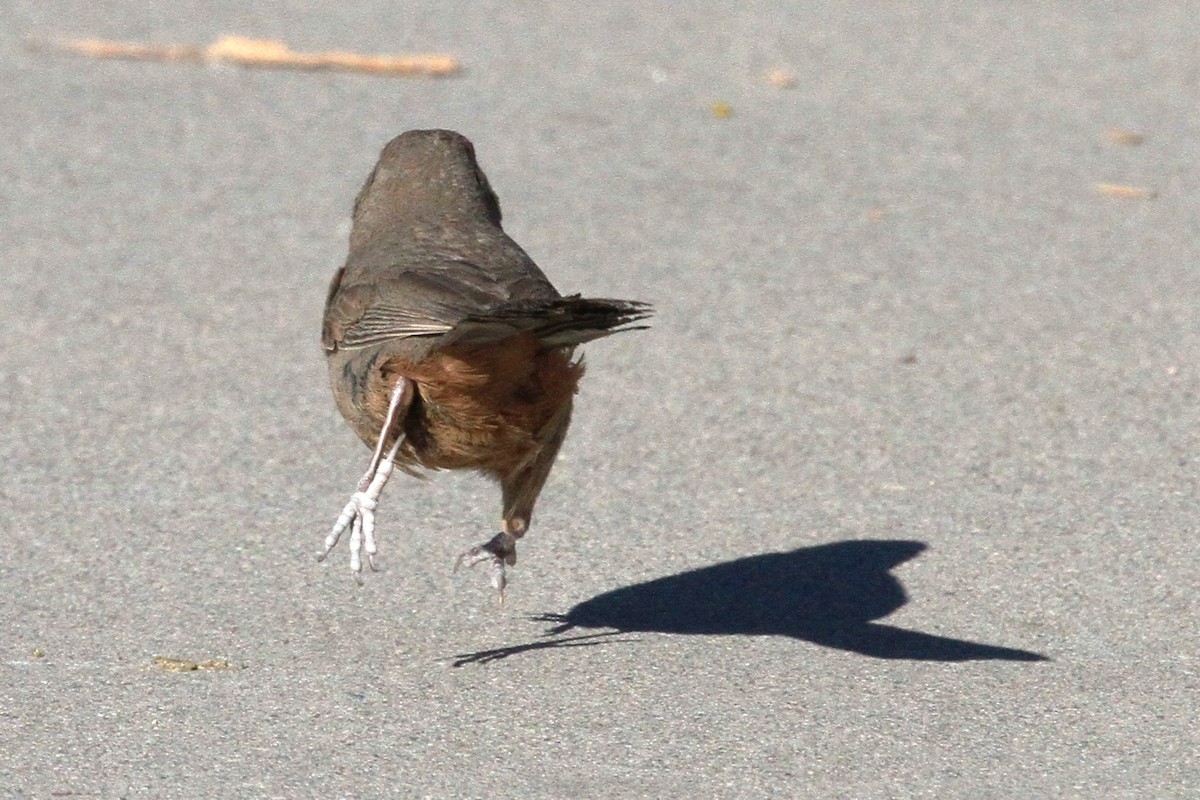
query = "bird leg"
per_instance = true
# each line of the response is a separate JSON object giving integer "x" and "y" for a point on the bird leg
{"x": 359, "y": 513}
{"x": 520, "y": 493}
{"x": 501, "y": 549}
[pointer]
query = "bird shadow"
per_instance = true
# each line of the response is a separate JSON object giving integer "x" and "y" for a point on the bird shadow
{"x": 829, "y": 595}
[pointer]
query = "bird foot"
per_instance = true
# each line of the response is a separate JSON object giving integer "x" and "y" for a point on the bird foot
{"x": 500, "y": 550}
{"x": 359, "y": 517}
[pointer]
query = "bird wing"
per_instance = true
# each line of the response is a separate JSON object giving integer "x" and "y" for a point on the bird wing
{"x": 429, "y": 299}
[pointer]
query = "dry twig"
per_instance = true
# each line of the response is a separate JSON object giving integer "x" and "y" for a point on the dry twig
{"x": 265, "y": 53}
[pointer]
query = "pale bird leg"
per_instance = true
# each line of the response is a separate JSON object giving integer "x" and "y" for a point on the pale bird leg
{"x": 359, "y": 513}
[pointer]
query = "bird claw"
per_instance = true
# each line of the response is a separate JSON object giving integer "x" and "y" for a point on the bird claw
{"x": 359, "y": 517}
{"x": 500, "y": 550}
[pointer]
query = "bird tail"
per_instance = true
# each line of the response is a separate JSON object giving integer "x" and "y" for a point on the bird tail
{"x": 561, "y": 322}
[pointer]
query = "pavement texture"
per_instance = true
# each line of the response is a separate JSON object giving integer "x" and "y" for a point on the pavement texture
{"x": 897, "y": 499}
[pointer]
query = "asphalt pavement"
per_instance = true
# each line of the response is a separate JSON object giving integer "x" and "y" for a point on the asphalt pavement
{"x": 897, "y": 498}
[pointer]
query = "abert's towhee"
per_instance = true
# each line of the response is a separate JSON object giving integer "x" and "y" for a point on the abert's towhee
{"x": 447, "y": 346}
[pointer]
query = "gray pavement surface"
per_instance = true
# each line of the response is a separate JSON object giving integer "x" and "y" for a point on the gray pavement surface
{"x": 897, "y": 499}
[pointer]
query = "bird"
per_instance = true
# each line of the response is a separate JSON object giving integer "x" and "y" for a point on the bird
{"x": 447, "y": 347}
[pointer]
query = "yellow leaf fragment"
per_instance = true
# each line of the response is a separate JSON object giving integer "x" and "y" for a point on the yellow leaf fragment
{"x": 721, "y": 110}
{"x": 183, "y": 665}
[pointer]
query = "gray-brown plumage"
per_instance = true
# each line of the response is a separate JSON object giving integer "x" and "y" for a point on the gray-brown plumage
{"x": 447, "y": 347}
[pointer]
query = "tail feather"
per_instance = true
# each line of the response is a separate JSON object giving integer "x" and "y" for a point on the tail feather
{"x": 562, "y": 322}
